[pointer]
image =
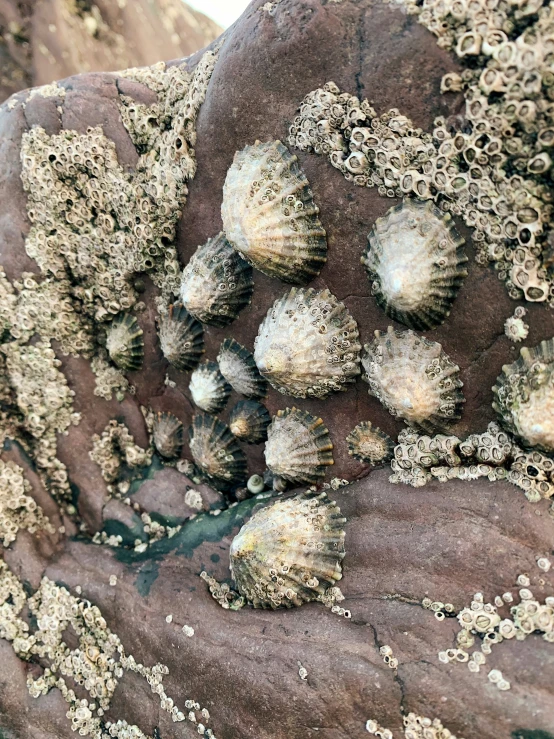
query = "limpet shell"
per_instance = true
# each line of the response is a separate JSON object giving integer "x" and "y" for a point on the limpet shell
{"x": 168, "y": 435}
{"x": 298, "y": 447}
{"x": 289, "y": 552}
{"x": 217, "y": 283}
{"x": 216, "y": 452}
{"x": 208, "y": 388}
{"x": 181, "y": 338}
{"x": 269, "y": 215}
{"x": 524, "y": 396}
{"x": 414, "y": 379}
{"x": 308, "y": 344}
{"x": 249, "y": 421}
{"x": 238, "y": 367}
{"x": 414, "y": 262}
{"x": 125, "y": 343}
{"x": 369, "y": 444}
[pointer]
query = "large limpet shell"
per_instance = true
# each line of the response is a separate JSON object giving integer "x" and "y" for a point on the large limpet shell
{"x": 181, "y": 338}
{"x": 414, "y": 261}
{"x": 414, "y": 379}
{"x": 167, "y": 435}
{"x": 269, "y": 215}
{"x": 298, "y": 447}
{"x": 249, "y": 421}
{"x": 217, "y": 283}
{"x": 369, "y": 444}
{"x": 238, "y": 367}
{"x": 524, "y": 396}
{"x": 125, "y": 343}
{"x": 216, "y": 451}
{"x": 208, "y": 388}
{"x": 308, "y": 344}
{"x": 289, "y": 552}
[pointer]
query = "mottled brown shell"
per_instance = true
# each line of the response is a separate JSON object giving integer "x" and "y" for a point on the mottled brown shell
{"x": 298, "y": 447}
{"x": 217, "y": 283}
{"x": 238, "y": 367}
{"x": 414, "y": 379}
{"x": 168, "y": 435}
{"x": 524, "y": 396}
{"x": 125, "y": 343}
{"x": 308, "y": 344}
{"x": 269, "y": 215}
{"x": 290, "y": 552}
{"x": 414, "y": 262}
{"x": 249, "y": 421}
{"x": 181, "y": 338}
{"x": 369, "y": 444}
{"x": 208, "y": 388}
{"x": 216, "y": 452}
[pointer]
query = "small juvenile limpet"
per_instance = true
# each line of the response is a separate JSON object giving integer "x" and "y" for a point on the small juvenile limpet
{"x": 249, "y": 421}
{"x": 216, "y": 451}
{"x": 125, "y": 343}
{"x": 209, "y": 389}
{"x": 167, "y": 435}
{"x": 181, "y": 338}
{"x": 238, "y": 367}
{"x": 369, "y": 444}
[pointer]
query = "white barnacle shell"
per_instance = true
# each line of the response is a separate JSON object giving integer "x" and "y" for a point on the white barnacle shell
{"x": 181, "y": 338}
{"x": 413, "y": 378}
{"x": 125, "y": 343}
{"x": 308, "y": 344}
{"x": 216, "y": 451}
{"x": 414, "y": 262}
{"x": 369, "y": 444}
{"x": 524, "y": 396}
{"x": 269, "y": 215}
{"x": 298, "y": 447}
{"x": 167, "y": 435}
{"x": 249, "y": 421}
{"x": 289, "y": 552}
{"x": 208, "y": 388}
{"x": 217, "y": 283}
{"x": 238, "y": 367}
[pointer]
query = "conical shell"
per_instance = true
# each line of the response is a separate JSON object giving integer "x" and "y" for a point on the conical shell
{"x": 125, "y": 343}
{"x": 290, "y": 552}
{"x": 168, "y": 435}
{"x": 217, "y": 283}
{"x": 415, "y": 263}
{"x": 524, "y": 396}
{"x": 216, "y": 451}
{"x": 369, "y": 444}
{"x": 208, "y": 388}
{"x": 238, "y": 367}
{"x": 414, "y": 379}
{"x": 298, "y": 447}
{"x": 269, "y": 215}
{"x": 308, "y": 344}
{"x": 249, "y": 421}
{"x": 181, "y": 338}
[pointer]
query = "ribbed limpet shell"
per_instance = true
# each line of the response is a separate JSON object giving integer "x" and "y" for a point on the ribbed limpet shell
{"x": 217, "y": 283}
{"x": 414, "y": 379}
{"x": 298, "y": 447}
{"x": 289, "y": 552}
{"x": 216, "y": 452}
{"x": 308, "y": 344}
{"x": 238, "y": 367}
{"x": 208, "y": 388}
{"x": 269, "y": 215}
{"x": 125, "y": 343}
{"x": 524, "y": 396}
{"x": 369, "y": 444}
{"x": 167, "y": 435}
{"x": 415, "y": 263}
{"x": 181, "y": 338}
{"x": 249, "y": 421}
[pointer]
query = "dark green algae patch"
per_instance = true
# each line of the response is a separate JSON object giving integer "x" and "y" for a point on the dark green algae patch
{"x": 531, "y": 734}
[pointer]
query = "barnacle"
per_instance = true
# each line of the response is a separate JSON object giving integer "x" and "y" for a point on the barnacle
{"x": 298, "y": 447}
{"x": 514, "y": 327}
{"x": 524, "y": 396}
{"x": 269, "y": 215}
{"x": 181, "y": 338}
{"x": 413, "y": 378}
{"x": 249, "y": 421}
{"x": 289, "y": 552}
{"x": 414, "y": 261}
{"x": 369, "y": 444}
{"x": 216, "y": 283}
{"x": 209, "y": 389}
{"x": 167, "y": 434}
{"x": 238, "y": 367}
{"x": 216, "y": 451}
{"x": 125, "y": 343}
{"x": 308, "y": 344}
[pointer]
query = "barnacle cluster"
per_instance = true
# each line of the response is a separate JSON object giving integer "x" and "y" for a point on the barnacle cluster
{"x": 109, "y": 379}
{"x": 18, "y": 510}
{"x": 415, "y": 727}
{"x": 114, "y": 450}
{"x": 493, "y": 169}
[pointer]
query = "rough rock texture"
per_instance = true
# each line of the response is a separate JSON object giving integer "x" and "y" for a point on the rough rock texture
{"x": 446, "y": 542}
{"x": 44, "y": 41}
